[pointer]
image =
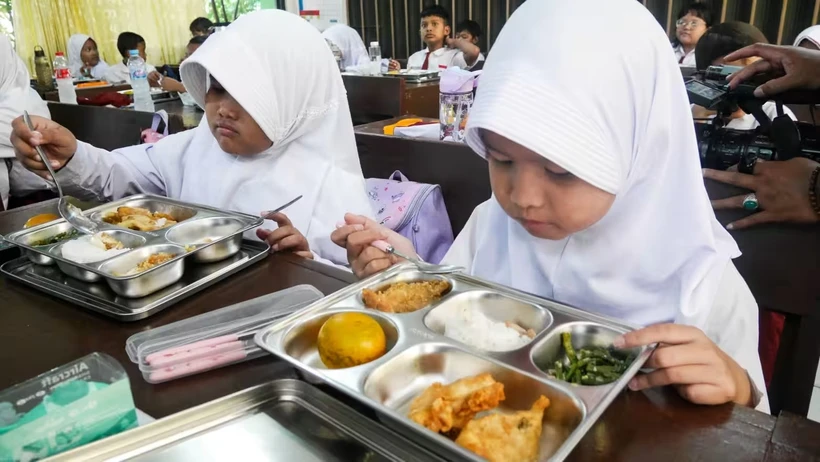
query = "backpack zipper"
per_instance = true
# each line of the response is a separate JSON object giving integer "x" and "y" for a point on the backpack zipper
{"x": 414, "y": 206}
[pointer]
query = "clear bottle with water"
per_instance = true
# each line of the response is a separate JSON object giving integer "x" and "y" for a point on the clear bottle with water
{"x": 139, "y": 82}
{"x": 65, "y": 84}
{"x": 375, "y": 52}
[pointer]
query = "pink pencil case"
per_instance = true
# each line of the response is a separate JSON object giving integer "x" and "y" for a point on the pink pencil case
{"x": 215, "y": 339}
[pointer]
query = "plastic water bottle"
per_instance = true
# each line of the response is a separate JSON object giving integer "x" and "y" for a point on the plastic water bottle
{"x": 139, "y": 82}
{"x": 65, "y": 85}
{"x": 375, "y": 52}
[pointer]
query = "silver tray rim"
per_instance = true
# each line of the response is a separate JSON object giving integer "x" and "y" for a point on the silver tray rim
{"x": 271, "y": 338}
{"x": 259, "y": 249}
{"x": 250, "y": 222}
{"x": 209, "y": 416}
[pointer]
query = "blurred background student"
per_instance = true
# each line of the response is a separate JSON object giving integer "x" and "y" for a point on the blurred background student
{"x": 693, "y": 20}
{"x": 118, "y": 73}
{"x": 201, "y": 26}
{"x": 16, "y": 96}
{"x": 84, "y": 58}
{"x": 349, "y": 43}
{"x": 172, "y": 84}
{"x": 470, "y": 31}
{"x": 809, "y": 38}
{"x": 442, "y": 51}
{"x": 712, "y": 49}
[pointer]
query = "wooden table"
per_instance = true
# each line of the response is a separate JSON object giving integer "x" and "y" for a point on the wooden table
{"x": 39, "y": 332}
{"x": 88, "y": 92}
{"x": 377, "y": 98}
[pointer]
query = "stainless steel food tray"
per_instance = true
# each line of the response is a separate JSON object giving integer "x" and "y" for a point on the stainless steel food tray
{"x": 203, "y": 235}
{"x": 418, "y": 355}
{"x": 415, "y": 76}
{"x": 284, "y": 420}
{"x": 100, "y": 298}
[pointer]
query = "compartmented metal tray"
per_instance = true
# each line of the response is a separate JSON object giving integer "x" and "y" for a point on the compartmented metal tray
{"x": 418, "y": 355}
{"x": 100, "y": 298}
{"x": 414, "y": 75}
{"x": 202, "y": 235}
{"x": 284, "y": 420}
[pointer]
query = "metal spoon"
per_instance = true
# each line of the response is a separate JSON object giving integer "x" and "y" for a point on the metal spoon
{"x": 424, "y": 267}
{"x": 267, "y": 215}
{"x": 68, "y": 211}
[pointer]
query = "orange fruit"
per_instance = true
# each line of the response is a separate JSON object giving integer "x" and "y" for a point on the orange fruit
{"x": 350, "y": 339}
{"x": 38, "y": 220}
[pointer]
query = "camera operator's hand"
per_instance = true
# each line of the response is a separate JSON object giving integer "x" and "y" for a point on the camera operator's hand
{"x": 797, "y": 68}
{"x": 782, "y": 190}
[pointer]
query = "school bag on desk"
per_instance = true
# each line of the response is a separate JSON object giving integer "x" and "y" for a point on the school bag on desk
{"x": 414, "y": 210}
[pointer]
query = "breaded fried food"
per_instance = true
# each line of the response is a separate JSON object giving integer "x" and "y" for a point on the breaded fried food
{"x": 139, "y": 219}
{"x": 442, "y": 408}
{"x": 152, "y": 261}
{"x": 506, "y": 437}
{"x": 405, "y": 297}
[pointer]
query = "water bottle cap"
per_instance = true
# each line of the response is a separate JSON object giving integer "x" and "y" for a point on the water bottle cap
{"x": 374, "y": 44}
{"x": 59, "y": 53}
{"x": 133, "y": 53}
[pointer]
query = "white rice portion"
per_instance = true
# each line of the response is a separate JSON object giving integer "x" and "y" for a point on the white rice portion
{"x": 88, "y": 249}
{"x": 474, "y": 328}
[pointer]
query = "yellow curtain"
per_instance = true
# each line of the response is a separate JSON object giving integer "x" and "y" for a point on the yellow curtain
{"x": 49, "y": 23}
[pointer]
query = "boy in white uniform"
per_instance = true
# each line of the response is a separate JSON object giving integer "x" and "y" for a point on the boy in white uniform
{"x": 118, "y": 73}
{"x": 442, "y": 51}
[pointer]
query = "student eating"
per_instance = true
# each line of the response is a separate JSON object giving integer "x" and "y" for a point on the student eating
{"x": 266, "y": 138}
{"x": 598, "y": 197}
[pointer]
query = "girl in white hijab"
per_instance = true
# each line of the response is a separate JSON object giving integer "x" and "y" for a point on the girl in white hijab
{"x": 84, "y": 58}
{"x": 16, "y": 96}
{"x": 349, "y": 42}
{"x": 598, "y": 197}
{"x": 809, "y": 38}
{"x": 275, "y": 128}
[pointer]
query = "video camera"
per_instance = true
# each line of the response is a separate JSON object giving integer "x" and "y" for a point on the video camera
{"x": 777, "y": 139}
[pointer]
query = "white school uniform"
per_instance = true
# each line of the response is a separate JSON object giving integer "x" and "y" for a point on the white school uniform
{"x": 683, "y": 58}
{"x": 658, "y": 255}
{"x": 118, "y": 73}
{"x": 748, "y": 121}
{"x": 16, "y": 96}
{"x": 75, "y": 62}
{"x": 439, "y": 60}
{"x": 299, "y": 101}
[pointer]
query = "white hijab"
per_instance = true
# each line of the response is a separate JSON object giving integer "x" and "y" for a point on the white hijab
{"x": 296, "y": 95}
{"x": 619, "y": 121}
{"x": 16, "y": 94}
{"x": 348, "y": 40}
{"x": 812, "y": 34}
{"x": 75, "y": 61}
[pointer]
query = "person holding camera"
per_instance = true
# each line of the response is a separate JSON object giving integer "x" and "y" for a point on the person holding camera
{"x": 782, "y": 191}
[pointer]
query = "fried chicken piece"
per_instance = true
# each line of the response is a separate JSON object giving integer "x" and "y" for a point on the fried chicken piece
{"x": 405, "y": 297}
{"x": 109, "y": 242}
{"x": 506, "y": 437}
{"x": 443, "y": 408}
{"x": 138, "y": 223}
{"x": 132, "y": 211}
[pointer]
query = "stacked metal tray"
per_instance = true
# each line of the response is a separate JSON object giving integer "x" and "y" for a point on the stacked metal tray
{"x": 418, "y": 355}
{"x": 284, "y": 420}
